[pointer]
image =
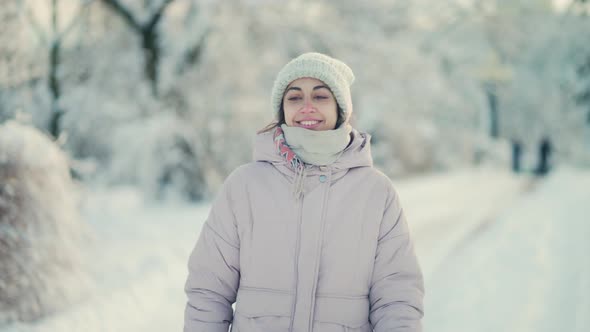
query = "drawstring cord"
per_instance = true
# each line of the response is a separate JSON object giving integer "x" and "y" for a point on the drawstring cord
{"x": 299, "y": 181}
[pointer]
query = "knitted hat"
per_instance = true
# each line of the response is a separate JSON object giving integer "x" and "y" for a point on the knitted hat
{"x": 334, "y": 73}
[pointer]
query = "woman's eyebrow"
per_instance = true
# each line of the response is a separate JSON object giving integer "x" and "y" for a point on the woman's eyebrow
{"x": 321, "y": 86}
{"x": 293, "y": 88}
{"x": 315, "y": 88}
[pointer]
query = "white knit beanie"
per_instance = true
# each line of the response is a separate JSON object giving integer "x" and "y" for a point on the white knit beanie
{"x": 334, "y": 73}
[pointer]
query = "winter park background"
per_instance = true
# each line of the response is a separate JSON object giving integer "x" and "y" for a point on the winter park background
{"x": 119, "y": 120}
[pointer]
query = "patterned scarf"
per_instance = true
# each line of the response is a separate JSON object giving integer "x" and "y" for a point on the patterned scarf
{"x": 285, "y": 151}
{"x": 292, "y": 160}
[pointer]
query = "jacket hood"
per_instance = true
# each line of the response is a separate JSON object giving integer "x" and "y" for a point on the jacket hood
{"x": 357, "y": 154}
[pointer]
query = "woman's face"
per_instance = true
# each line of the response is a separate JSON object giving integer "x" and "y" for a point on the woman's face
{"x": 309, "y": 103}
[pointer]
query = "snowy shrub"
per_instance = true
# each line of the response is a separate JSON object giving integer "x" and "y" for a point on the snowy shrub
{"x": 160, "y": 155}
{"x": 40, "y": 230}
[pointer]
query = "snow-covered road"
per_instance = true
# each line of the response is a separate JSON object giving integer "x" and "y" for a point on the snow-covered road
{"x": 499, "y": 253}
{"x": 529, "y": 270}
{"x": 444, "y": 211}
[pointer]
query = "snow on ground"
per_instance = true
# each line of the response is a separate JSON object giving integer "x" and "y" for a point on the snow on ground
{"x": 528, "y": 271}
{"x": 444, "y": 210}
{"x": 138, "y": 260}
{"x": 499, "y": 253}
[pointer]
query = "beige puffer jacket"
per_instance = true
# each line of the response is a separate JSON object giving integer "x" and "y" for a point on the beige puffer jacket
{"x": 339, "y": 259}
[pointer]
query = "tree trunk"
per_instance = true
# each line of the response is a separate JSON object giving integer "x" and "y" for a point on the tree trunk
{"x": 151, "y": 52}
{"x": 493, "y": 104}
{"x": 53, "y": 79}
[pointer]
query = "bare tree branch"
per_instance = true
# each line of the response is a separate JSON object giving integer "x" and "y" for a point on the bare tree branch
{"x": 125, "y": 13}
{"x": 193, "y": 54}
{"x": 75, "y": 20}
{"x": 149, "y": 37}
{"x": 155, "y": 18}
{"x": 28, "y": 14}
{"x": 54, "y": 18}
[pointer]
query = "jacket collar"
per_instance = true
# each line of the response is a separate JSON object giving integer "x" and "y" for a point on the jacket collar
{"x": 356, "y": 154}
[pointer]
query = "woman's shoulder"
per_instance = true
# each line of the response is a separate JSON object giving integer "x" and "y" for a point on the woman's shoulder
{"x": 380, "y": 179}
{"x": 250, "y": 168}
{"x": 247, "y": 171}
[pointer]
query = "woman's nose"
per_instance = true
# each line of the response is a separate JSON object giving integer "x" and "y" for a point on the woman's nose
{"x": 308, "y": 107}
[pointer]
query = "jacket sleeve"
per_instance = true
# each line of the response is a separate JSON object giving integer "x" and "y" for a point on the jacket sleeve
{"x": 214, "y": 270}
{"x": 397, "y": 285}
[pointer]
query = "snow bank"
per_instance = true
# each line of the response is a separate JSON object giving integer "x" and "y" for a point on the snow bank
{"x": 40, "y": 230}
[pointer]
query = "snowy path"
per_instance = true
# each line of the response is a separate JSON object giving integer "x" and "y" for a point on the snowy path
{"x": 444, "y": 211}
{"x": 530, "y": 271}
{"x": 524, "y": 270}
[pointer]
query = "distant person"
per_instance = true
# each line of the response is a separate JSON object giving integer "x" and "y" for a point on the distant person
{"x": 544, "y": 155}
{"x": 516, "y": 155}
{"x": 309, "y": 236}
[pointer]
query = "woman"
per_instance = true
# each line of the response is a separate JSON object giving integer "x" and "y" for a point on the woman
{"x": 309, "y": 236}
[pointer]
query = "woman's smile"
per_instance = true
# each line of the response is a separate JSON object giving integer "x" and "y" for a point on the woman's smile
{"x": 308, "y": 123}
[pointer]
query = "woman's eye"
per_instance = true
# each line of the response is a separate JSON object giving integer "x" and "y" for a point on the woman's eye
{"x": 293, "y": 98}
{"x": 321, "y": 97}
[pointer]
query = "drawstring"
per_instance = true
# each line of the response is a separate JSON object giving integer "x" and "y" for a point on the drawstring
{"x": 299, "y": 181}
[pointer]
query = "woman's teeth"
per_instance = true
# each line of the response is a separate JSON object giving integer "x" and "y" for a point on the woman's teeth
{"x": 309, "y": 123}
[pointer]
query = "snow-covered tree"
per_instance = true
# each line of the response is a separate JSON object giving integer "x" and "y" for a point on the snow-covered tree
{"x": 148, "y": 31}
{"x": 437, "y": 84}
{"x": 51, "y": 38}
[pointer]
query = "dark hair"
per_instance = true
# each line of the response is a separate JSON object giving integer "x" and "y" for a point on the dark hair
{"x": 281, "y": 119}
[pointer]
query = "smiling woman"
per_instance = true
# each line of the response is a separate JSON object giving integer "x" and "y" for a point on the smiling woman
{"x": 309, "y": 236}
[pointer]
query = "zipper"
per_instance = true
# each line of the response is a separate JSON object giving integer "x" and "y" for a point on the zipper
{"x": 297, "y": 249}
{"x": 319, "y": 247}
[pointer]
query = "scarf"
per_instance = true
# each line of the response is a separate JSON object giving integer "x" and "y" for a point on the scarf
{"x": 320, "y": 147}
{"x": 308, "y": 147}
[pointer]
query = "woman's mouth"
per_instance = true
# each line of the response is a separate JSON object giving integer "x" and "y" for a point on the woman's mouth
{"x": 309, "y": 124}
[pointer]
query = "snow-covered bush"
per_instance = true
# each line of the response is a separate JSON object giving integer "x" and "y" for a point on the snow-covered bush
{"x": 40, "y": 229}
{"x": 160, "y": 156}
